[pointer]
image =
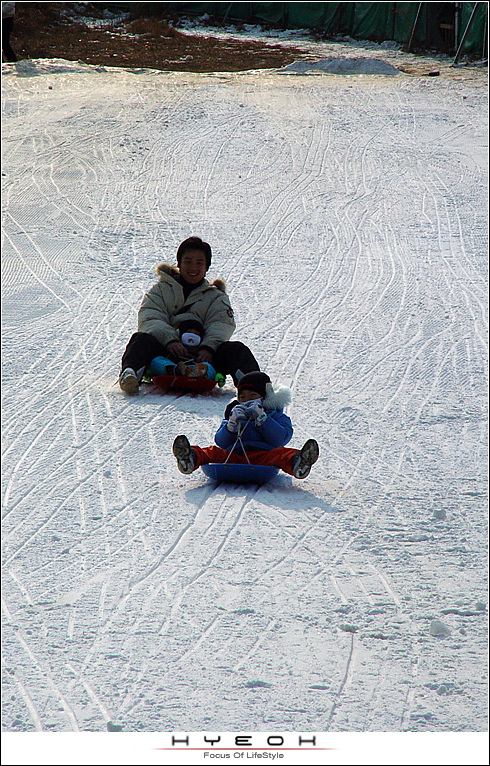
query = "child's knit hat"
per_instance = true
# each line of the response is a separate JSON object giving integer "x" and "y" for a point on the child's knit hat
{"x": 191, "y": 332}
{"x": 255, "y": 381}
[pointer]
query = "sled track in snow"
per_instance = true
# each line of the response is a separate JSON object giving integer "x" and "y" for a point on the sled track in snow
{"x": 344, "y": 217}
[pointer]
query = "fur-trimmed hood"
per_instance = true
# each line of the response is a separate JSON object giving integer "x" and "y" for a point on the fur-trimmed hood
{"x": 166, "y": 269}
{"x": 276, "y": 400}
{"x": 273, "y": 400}
{"x": 167, "y": 304}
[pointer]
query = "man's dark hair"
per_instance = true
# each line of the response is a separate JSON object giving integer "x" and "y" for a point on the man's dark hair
{"x": 194, "y": 243}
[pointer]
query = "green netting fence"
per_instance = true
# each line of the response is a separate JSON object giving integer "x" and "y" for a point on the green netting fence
{"x": 440, "y": 26}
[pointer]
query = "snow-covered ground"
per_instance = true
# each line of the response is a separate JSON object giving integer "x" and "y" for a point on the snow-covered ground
{"x": 348, "y": 216}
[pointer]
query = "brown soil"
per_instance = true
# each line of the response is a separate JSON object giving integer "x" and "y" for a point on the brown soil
{"x": 145, "y": 40}
{"x": 43, "y": 30}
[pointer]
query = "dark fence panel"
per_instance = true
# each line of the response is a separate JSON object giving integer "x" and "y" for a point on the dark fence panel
{"x": 426, "y": 25}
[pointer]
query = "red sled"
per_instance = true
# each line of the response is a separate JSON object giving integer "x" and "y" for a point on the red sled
{"x": 183, "y": 383}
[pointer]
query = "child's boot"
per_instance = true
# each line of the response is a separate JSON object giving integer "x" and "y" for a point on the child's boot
{"x": 186, "y": 457}
{"x": 305, "y": 458}
{"x": 198, "y": 370}
{"x": 179, "y": 368}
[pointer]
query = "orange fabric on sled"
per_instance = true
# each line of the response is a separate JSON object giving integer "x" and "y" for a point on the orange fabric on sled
{"x": 280, "y": 457}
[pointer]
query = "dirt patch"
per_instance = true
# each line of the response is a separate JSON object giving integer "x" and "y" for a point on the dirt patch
{"x": 80, "y": 32}
{"x": 45, "y": 30}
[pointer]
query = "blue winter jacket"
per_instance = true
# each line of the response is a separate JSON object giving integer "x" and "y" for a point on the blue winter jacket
{"x": 276, "y": 431}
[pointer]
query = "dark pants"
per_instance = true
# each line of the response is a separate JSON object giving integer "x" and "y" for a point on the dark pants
{"x": 7, "y": 26}
{"x": 230, "y": 358}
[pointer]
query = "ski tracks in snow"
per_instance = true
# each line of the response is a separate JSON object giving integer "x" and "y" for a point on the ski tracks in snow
{"x": 343, "y": 215}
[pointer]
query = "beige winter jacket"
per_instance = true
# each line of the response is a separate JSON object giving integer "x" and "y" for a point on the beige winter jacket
{"x": 164, "y": 308}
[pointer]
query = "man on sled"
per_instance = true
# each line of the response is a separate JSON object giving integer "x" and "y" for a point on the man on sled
{"x": 183, "y": 294}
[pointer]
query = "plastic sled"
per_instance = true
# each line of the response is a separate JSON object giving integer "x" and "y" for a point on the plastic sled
{"x": 239, "y": 473}
{"x": 182, "y": 383}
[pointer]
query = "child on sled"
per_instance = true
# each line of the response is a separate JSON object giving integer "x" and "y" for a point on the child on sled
{"x": 191, "y": 334}
{"x": 254, "y": 427}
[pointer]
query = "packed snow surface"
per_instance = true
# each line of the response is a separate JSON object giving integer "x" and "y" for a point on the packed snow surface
{"x": 348, "y": 216}
{"x": 336, "y": 65}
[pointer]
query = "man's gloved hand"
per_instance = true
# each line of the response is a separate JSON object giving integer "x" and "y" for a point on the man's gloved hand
{"x": 238, "y": 413}
{"x": 177, "y": 350}
{"x": 205, "y": 355}
{"x": 256, "y": 411}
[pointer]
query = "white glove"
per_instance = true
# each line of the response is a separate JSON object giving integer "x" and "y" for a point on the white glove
{"x": 256, "y": 411}
{"x": 238, "y": 413}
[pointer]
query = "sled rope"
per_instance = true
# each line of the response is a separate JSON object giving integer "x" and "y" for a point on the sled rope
{"x": 239, "y": 439}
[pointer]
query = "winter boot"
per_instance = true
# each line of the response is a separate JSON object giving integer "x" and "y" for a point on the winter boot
{"x": 179, "y": 368}
{"x": 128, "y": 381}
{"x": 186, "y": 457}
{"x": 194, "y": 370}
{"x": 304, "y": 459}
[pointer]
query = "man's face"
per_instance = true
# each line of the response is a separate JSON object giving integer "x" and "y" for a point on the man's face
{"x": 193, "y": 266}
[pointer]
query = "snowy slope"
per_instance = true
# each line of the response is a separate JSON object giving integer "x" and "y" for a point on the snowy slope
{"x": 348, "y": 216}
